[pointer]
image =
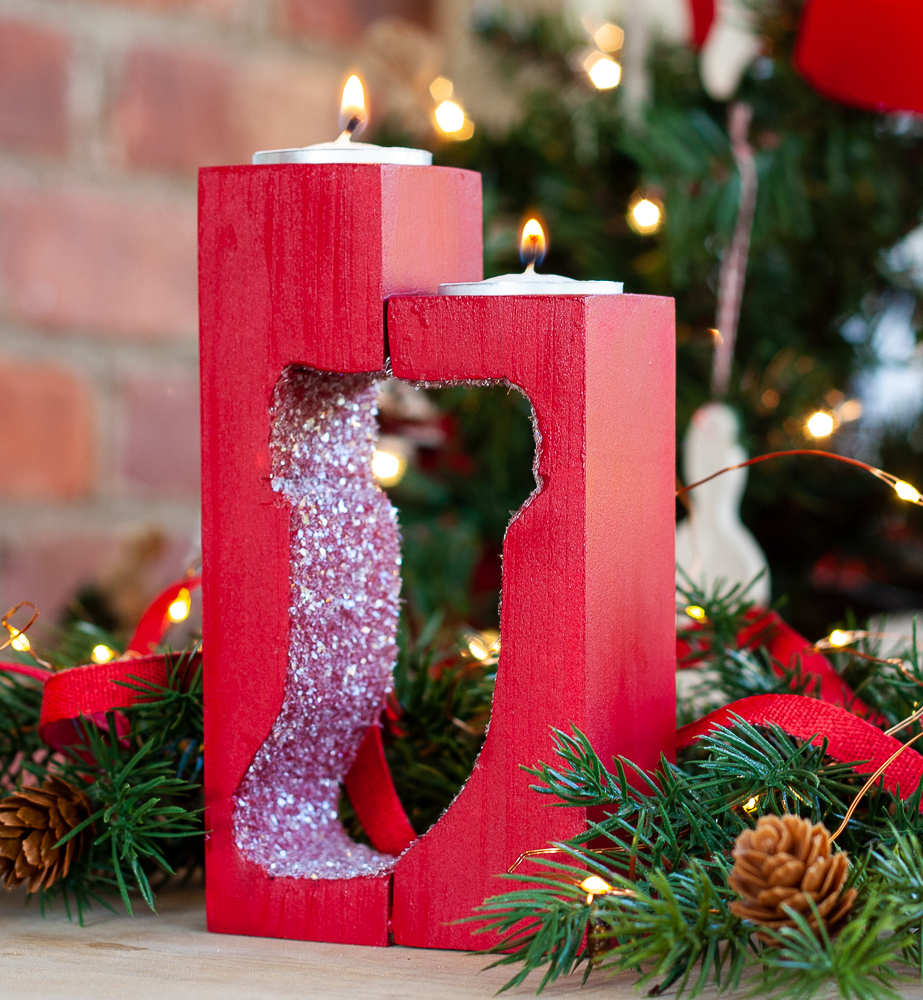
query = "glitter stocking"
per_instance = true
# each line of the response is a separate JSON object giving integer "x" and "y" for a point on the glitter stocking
{"x": 345, "y": 582}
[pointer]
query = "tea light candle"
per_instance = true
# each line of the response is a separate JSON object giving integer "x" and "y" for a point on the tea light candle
{"x": 353, "y": 119}
{"x": 532, "y": 251}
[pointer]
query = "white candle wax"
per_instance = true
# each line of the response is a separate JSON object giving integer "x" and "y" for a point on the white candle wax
{"x": 341, "y": 151}
{"x": 530, "y": 283}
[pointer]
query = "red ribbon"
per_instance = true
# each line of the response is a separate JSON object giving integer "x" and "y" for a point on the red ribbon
{"x": 849, "y": 738}
{"x": 768, "y": 629}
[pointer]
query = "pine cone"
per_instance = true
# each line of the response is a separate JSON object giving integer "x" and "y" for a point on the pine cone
{"x": 32, "y": 821}
{"x": 786, "y": 861}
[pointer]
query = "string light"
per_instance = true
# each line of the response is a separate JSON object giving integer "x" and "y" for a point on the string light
{"x": 907, "y": 492}
{"x": 820, "y": 424}
{"x": 750, "y": 806}
{"x": 102, "y": 654}
{"x": 441, "y": 89}
{"x": 179, "y": 609}
{"x": 19, "y": 641}
{"x": 609, "y": 37}
{"x": 694, "y": 611}
{"x": 604, "y": 73}
{"x": 388, "y": 467}
{"x": 645, "y": 214}
{"x": 840, "y": 638}
{"x": 450, "y": 117}
{"x": 595, "y": 886}
{"x": 483, "y": 645}
{"x": 903, "y": 489}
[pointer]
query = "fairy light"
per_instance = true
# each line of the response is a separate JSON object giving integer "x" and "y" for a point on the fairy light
{"x": 907, "y": 492}
{"x": 441, "y": 89}
{"x": 595, "y": 886}
{"x": 19, "y": 641}
{"x": 750, "y": 806}
{"x": 903, "y": 489}
{"x": 839, "y": 638}
{"x": 483, "y": 645}
{"x": 694, "y": 611}
{"x": 102, "y": 654}
{"x": 609, "y": 37}
{"x": 179, "y": 609}
{"x": 820, "y": 424}
{"x": 604, "y": 73}
{"x": 450, "y": 117}
{"x": 387, "y": 467}
{"x": 645, "y": 214}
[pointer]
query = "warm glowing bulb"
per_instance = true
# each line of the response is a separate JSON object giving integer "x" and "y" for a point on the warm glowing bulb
{"x": 477, "y": 649}
{"x": 441, "y": 88}
{"x": 907, "y": 492}
{"x": 532, "y": 243}
{"x": 694, "y": 611}
{"x": 645, "y": 216}
{"x": 19, "y": 641}
{"x": 750, "y": 804}
{"x": 820, "y": 424}
{"x": 353, "y": 114}
{"x": 839, "y": 638}
{"x": 609, "y": 37}
{"x": 605, "y": 73}
{"x": 179, "y": 609}
{"x": 102, "y": 654}
{"x": 387, "y": 467}
{"x": 595, "y": 886}
{"x": 449, "y": 117}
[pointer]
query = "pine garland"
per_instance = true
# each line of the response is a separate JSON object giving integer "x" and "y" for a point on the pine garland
{"x": 665, "y": 849}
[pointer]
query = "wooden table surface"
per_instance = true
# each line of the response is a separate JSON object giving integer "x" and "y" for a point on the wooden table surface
{"x": 171, "y": 955}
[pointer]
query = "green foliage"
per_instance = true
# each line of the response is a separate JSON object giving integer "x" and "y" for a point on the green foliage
{"x": 20, "y": 707}
{"x": 801, "y": 965}
{"x": 141, "y": 781}
{"x": 455, "y": 504}
{"x": 444, "y": 703}
{"x": 664, "y": 846}
{"x": 838, "y": 187}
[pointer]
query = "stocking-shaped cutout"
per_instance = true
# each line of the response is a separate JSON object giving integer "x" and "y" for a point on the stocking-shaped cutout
{"x": 345, "y": 583}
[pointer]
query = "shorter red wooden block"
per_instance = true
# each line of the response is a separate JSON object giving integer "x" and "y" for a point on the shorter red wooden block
{"x": 587, "y": 618}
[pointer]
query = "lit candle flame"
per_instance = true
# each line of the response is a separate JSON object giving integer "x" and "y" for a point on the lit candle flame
{"x": 353, "y": 113}
{"x": 532, "y": 244}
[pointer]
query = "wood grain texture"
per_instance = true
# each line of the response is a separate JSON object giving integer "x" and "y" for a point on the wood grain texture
{"x": 588, "y": 571}
{"x": 295, "y": 263}
{"x": 170, "y": 954}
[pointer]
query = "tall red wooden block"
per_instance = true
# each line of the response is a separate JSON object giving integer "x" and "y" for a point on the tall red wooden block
{"x": 295, "y": 263}
{"x": 587, "y": 619}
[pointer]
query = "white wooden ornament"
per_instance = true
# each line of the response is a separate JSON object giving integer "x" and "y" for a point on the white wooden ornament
{"x": 712, "y": 543}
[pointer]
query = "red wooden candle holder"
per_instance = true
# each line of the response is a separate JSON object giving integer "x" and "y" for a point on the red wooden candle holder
{"x": 296, "y": 263}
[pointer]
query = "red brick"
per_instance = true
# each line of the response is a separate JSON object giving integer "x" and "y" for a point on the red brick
{"x": 46, "y": 433}
{"x": 49, "y": 567}
{"x": 173, "y": 111}
{"x": 221, "y": 10}
{"x": 345, "y": 20}
{"x": 33, "y": 88}
{"x": 75, "y": 258}
{"x": 281, "y": 103}
{"x": 159, "y": 447}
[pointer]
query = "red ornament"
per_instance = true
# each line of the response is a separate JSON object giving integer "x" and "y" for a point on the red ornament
{"x": 864, "y": 53}
{"x": 296, "y": 264}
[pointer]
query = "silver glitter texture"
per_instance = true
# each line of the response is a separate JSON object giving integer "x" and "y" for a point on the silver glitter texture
{"x": 345, "y": 583}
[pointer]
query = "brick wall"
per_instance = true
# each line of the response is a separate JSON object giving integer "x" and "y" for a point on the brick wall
{"x": 106, "y": 111}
